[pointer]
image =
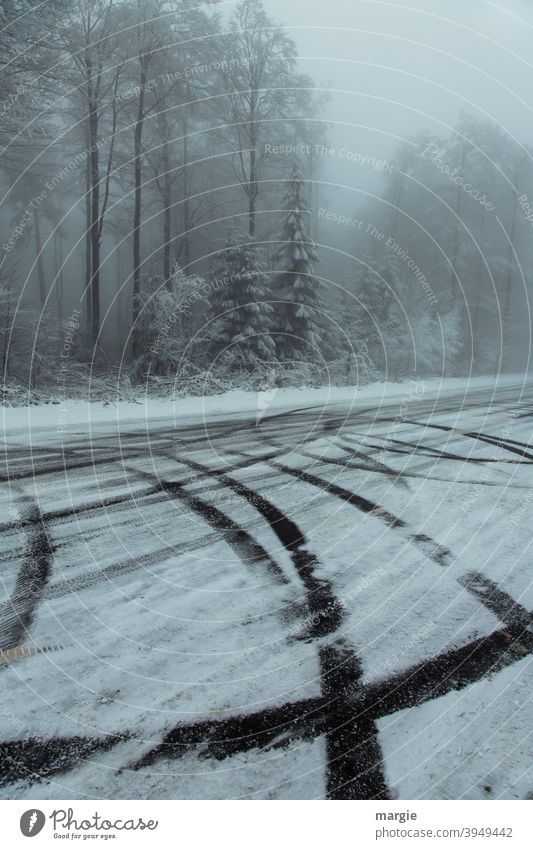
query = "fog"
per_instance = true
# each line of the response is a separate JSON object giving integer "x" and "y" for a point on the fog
{"x": 424, "y": 62}
{"x": 402, "y": 132}
{"x": 266, "y": 272}
{"x": 393, "y": 69}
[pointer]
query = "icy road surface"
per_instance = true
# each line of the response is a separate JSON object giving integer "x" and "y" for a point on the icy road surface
{"x": 334, "y": 602}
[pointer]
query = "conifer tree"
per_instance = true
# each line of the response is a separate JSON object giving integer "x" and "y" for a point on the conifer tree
{"x": 298, "y": 322}
{"x": 241, "y": 308}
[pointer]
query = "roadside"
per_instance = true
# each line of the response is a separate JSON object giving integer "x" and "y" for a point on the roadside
{"x": 27, "y": 424}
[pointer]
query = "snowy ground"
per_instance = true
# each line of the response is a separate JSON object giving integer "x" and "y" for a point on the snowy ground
{"x": 26, "y": 423}
{"x": 296, "y": 595}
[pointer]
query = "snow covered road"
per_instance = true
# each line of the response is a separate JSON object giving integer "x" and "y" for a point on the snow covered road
{"x": 330, "y": 602}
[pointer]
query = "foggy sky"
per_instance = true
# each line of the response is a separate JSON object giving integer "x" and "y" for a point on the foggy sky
{"x": 431, "y": 58}
{"x": 396, "y": 67}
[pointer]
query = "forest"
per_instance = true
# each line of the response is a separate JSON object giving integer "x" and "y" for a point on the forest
{"x": 265, "y": 335}
{"x": 170, "y": 217}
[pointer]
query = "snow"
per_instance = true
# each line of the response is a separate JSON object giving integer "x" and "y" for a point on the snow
{"x": 475, "y": 744}
{"x": 157, "y": 618}
{"x": 22, "y": 424}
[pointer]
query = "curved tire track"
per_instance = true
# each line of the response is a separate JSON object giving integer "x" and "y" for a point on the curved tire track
{"x": 31, "y": 580}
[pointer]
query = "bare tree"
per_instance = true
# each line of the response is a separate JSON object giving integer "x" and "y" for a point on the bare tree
{"x": 259, "y": 87}
{"x": 94, "y": 45}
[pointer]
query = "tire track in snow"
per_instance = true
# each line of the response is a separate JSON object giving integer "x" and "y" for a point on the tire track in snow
{"x": 36, "y": 759}
{"x": 319, "y": 593}
{"x": 435, "y": 453}
{"x": 354, "y": 761}
{"x": 500, "y": 442}
{"x": 34, "y": 572}
{"x": 453, "y": 670}
{"x": 347, "y": 463}
{"x": 245, "y": 546}
{"x": 500, "y": 603}
{"x": 431, "y": 549}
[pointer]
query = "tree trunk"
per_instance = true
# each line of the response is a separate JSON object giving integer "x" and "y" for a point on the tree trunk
{"x": 252, "y": 188}
{"x": 186, "y": 242}
{"x": 88, "y": 273}
{"x": 167, "y": 220}
{"x": 510, "y": 260}
{"x": 137, "y": 151}
{"x": 166, "y": 192}
{"x": 455, "y": 250}
{"x": 95, "y": 224}
{"x": 40, "y": 264}
{"x": 118, "y": 293}
{"x": 7, "y": 318}
{"x": 167, "y": 201}
{"x": 58, "y": 244}
{"x": 478, "y": 277}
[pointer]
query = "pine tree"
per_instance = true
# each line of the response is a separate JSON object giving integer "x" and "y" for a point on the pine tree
{"x": 242, "y": 314}
{"x": 298, "y": 320}
{"x": 375, "y": 289}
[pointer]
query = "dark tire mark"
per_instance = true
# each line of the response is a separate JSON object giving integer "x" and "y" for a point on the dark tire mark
{"x": 152, "y": 558}
{"x": 119, "y": 500}
{"x": 505, "y": 608}
{"x": 358, "y": 501}
{"x": 72, "y": 512}
{"x": 507, "y": 444}
{"x": 369, "y": 465}
{"x": 351, "y": 719}
{"x": 249, "y": 551}
{"x": 36, "y": 759}
{"x": 353, "y": 751}
{"x": 60, "y": 469}
{"x": 435, "y": 453}
{"x": 95, "y": 576}
{"x": 326, "y": 612}
{"x": 430, "y": 548}
{"x": 354, "y": 759}
{"x": 426, "y": 451}
{"x": 222, "y": 738}
{"x": 439, "y": 553}
{"x": 30, "y": 583}
{"x": 450, "y": 671}
{"x": 420, "y": 475}
{"x": 500, "y": 440}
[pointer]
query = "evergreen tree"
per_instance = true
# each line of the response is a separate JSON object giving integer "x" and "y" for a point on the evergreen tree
{"x": 242, "y": 314}
{"x": 298, "y": 320}
{"x": 376, "y": 282}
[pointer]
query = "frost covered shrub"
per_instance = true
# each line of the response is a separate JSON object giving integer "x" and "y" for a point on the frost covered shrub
{"x": 299, "y": 374}
{"x": 47, "y": 344}
{"x": 30, "y": 341}
{"x": 353, "y": 368}
{"x": 168, "y": 321}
